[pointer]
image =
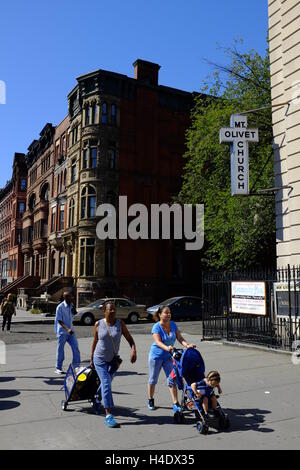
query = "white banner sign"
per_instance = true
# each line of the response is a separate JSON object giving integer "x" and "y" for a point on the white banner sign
{"x": 239, "y": 136}
{"x": 248, "y": 297}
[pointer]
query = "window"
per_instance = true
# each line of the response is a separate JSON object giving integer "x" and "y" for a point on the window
{"x": 87, "y": 115}
{"x": 85, "y": 162}
{"x": 32, "y": 202}
{"x": 93, "y": 157}
{"x": 74, "y": 135}
{"x": 43, "y": 265}
{"x": 112, "y": 158}
{"x": 23, "y": 184}
{"x": 63, "y": 151}
{"x": 62, "y": 218}
{"x": 45, "y": 193}
{"x": 44, "y": 228}
{"x": 65, "y": 178}
{"x": 53, "y": 221}
{"x": 72, "y": 213}
{"x": 33, "y": 176}
{"x": 21, "y": 208}
{"x": 88, "y": 202}
{"x": 73, "y": 171}
{"x": 104, "y": 113}
{"x": 27, "y": 266}
{"x": 87, "y": 256}
{"x": 89, "y": 159}
{"x": 113, "y": 114}
{"x": 61, "y": 264}
{"x": 94, "y": 112}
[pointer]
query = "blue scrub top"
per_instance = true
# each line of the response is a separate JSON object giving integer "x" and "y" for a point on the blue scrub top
{"x": 168, "y": 340}
{"x": 64, "y": 314}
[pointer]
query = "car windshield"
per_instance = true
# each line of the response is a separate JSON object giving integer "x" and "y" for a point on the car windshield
{"x": 169, "y": 301}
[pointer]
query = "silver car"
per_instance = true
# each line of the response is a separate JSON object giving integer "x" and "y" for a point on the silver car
{"x": 126, "y": 310}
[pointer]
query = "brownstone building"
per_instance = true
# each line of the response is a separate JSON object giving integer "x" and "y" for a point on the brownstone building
{"x": 122, "y": 137}
{"x": 128, "y": 138}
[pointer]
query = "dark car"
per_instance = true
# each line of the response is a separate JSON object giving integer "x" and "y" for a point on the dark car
{"x": 183, "y": 307}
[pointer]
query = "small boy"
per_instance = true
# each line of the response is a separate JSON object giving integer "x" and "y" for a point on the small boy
{"x": 204, "y": 390}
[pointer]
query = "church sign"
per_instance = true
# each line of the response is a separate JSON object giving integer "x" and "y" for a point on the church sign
{"x": 239, "y": 136}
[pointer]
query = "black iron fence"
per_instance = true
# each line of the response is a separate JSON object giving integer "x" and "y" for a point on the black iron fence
{"x": 278, "y": 327}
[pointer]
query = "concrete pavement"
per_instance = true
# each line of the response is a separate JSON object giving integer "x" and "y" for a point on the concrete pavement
{"x": 260, "y": 388}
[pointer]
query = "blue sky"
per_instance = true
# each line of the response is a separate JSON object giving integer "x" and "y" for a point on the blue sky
{"x": 46, "y": 45}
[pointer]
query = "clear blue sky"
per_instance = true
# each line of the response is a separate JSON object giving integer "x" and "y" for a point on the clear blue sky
{"x": 46, "y": 44}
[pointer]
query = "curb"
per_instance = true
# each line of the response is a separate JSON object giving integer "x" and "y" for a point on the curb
{"x": 250, "y": 346}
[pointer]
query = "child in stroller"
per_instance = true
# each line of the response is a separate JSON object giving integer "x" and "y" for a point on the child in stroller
{"x": 197, "y": 391}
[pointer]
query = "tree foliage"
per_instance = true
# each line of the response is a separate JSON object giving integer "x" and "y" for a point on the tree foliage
{"x": 239, "y": 230}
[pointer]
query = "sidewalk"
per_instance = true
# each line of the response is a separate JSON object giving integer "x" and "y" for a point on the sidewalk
{"x": 260, "y": 394}
{"x": 25, "y": 316}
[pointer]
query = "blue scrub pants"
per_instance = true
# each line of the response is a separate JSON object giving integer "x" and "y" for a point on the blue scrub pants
{"x": 60, "y": 354}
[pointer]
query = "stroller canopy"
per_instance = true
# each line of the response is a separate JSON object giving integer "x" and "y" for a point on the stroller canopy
{"x": 192, "y": 366}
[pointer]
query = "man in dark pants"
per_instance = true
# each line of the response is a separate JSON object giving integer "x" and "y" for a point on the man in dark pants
{"x": 8, "y": 310}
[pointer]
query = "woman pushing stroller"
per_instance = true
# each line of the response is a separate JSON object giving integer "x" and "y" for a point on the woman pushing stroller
{"x": 165, "y": 332}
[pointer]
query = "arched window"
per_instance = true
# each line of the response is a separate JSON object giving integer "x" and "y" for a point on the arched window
{"x": 45, "y": 192}
{"x": 88, "y": 202}
{"x": 72, "y": 213}
{"x": 104, "y": 113}
{"x": 31, "y": 204}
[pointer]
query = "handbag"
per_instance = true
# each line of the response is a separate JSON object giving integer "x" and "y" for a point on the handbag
{"x": 113, "y": 365}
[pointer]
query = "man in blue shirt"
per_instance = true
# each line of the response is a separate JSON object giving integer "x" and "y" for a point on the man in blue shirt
{"x": 65, "y": 333}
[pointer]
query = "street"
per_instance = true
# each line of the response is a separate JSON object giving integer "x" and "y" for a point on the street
{"x": 260, "y": 395}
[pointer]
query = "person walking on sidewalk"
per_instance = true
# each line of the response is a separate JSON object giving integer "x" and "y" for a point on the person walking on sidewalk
{"x": 65, "y": 333}
{"x": 104, "y": 356}
{"x": 165, "y": 332}
{"x": 7, "y": 311}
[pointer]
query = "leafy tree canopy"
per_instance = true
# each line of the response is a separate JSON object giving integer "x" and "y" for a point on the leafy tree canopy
{"x": 239, "y": 230}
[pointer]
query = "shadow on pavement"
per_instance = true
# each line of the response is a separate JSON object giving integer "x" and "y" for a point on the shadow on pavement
{"x": 8, "y": 405}
{"x": 7, "y": 379}
{"x": 248, "y": 420}
{"x": 8, "y": 393}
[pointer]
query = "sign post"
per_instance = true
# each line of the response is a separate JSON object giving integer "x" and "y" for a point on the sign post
{"x": 239, "y": 136}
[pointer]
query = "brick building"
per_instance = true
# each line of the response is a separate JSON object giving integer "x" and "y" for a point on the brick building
{"x": 19, "y": 191}
{"x": 128, "y": 138}
{"x": 6, "y": 204}
{"x": 122, "y": 137}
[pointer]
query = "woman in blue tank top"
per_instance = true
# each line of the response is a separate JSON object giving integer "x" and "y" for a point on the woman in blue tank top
{"x": 106, "y": 344}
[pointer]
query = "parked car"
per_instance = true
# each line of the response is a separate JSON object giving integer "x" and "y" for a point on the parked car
{"x": 126, "y": 309}
{"x": 181, "y": 307}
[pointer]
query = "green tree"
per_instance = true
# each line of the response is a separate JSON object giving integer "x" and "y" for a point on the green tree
{"x": 239, "y": 230}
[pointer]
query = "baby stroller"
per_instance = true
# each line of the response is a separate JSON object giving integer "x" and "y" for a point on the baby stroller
{"x": 81, "y": 384}
{"x": 188, "y": 368}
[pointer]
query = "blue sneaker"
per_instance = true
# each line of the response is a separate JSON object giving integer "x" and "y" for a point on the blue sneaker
{"x": 110, "y": 421}
{"x": 177, "y": 408}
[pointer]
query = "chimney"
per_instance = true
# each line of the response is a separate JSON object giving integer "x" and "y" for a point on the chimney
{"x": 146, "y": 72}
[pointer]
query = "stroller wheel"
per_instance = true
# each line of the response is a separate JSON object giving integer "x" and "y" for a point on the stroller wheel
{"x": 202, "y": 428}
{"x": 181, "y": 418}
{"x": 64, "y": 405}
